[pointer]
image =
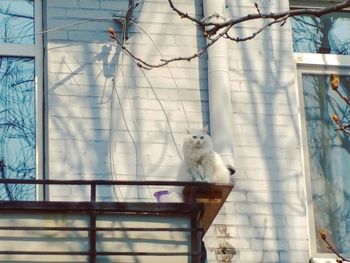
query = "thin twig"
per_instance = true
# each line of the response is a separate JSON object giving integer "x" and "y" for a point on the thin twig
{"x": 340, "y": 126}
{"x": 186, "y": 15}
{"x": 330, "y": 247}
{"x": 344, "y": 98}
{"x": 241, "y": 39}
{"x": 257, "y": 8}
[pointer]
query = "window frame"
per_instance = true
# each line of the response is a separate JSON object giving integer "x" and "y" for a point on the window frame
{"x": 315, "y": 256}
{"x": 314, "y": 63}
{"x": 34, "y": 51}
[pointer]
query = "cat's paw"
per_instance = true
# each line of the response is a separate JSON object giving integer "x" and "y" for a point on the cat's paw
{"x": 207, "y": 180}
{"x": 198, "y": 179}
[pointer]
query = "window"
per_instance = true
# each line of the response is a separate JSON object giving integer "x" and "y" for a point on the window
{"x": 328, "y": 158}
{"x": 322, "y": 47}
{"x": 20, "y": 96}
{"x": 329, "y": 34}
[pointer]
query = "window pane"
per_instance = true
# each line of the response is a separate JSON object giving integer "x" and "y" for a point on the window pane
{"x": 17, "y": 126}
{"x": 16, "y": 19}
{"x": 329, "y": 154}
{"x": 329, "y": 34}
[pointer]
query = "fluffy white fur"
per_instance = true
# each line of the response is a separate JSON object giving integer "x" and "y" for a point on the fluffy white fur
{"x": 201, "y": 162}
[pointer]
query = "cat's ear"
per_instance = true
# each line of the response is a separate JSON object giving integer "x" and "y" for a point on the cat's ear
{"x": 188, "y": 131}
{"x": 206, "y": 129}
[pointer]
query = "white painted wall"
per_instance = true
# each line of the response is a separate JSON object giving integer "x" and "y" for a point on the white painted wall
{"x": 88, "y": 136}
{"x": 78, "y": 241}
{"x": 88, "y": 139}
{"x": 266, "y": 213}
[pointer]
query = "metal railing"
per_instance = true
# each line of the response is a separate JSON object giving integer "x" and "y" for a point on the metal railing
{"x": 94, "y": 208}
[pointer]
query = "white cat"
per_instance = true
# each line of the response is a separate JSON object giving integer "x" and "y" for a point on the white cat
{"x": 201, "y": 162}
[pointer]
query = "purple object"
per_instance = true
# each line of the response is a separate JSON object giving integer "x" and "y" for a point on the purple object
{"x": 160, "y": 193}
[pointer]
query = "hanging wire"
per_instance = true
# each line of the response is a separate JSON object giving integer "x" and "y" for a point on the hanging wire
{"x": 163, "y": 109}
{"x": 171, "y": 74}
{"x": 138, "y": 155}
{"x": 139, "y": 161}
{"x": 131, "y": 108}
{"x": 65, "y": 26}
{"x": 116, "y": 91}
{"x": 111, "y": 139}
{"x": 112, "y": 118}
{"x": 157, "y": 98}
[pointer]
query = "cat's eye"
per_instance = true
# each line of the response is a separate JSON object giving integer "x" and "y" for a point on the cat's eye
{"x": 194, "y": 137}
{"x": 202, "y": 137}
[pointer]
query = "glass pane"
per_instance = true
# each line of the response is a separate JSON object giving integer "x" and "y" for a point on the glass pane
{"x": 17, "y": 126}
{"x": 17, "y": 19}
{"x": 329, "y": 34}
{"x": 329, "y": 154}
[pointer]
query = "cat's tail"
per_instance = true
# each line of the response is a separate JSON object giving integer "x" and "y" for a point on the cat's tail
{"x": 183, "y": 175}
{"x": 222, "y": 174}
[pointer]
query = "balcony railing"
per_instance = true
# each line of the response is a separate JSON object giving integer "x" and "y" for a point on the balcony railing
{"x": 100, "y": 230}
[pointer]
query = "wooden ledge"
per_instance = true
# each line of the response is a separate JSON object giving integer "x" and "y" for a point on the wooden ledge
{"x": 212, "y": 196}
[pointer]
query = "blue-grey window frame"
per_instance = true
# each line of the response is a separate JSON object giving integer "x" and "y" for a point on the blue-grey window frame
{"x": 34, "y": 51}
{"x": 314, "y": 63}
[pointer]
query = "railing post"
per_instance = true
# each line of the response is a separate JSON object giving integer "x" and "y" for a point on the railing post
{"x": 92, "y": 228}
{"x": 93, "y": 192}
{"x": 195, "y": 242}
{"x": 196, "y": 239}
{"x": 92, "y": 237}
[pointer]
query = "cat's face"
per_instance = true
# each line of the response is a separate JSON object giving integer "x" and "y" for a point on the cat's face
{"x": 198, "y": 138}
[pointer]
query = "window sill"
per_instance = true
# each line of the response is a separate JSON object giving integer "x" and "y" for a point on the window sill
{"x": 323, "y": 260}
{"x": 321, "y": 59}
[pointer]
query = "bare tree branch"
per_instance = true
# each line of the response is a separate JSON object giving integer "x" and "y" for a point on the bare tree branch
{"x": 143, "y": 64}
{"x": 213, "y": 31}
{"x": 234, "y": 21}
{"x": 240, "y": 39}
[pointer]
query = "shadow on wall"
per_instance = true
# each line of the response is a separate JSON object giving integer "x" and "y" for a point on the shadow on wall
{"x": 82, "y": 117}
{"x": 81, "y": 66}
{"x": 105, "y": 121}
{"x": 107, "y": 118}
{"x": 269, "y": 178}
{"x": 158, "y": 105}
